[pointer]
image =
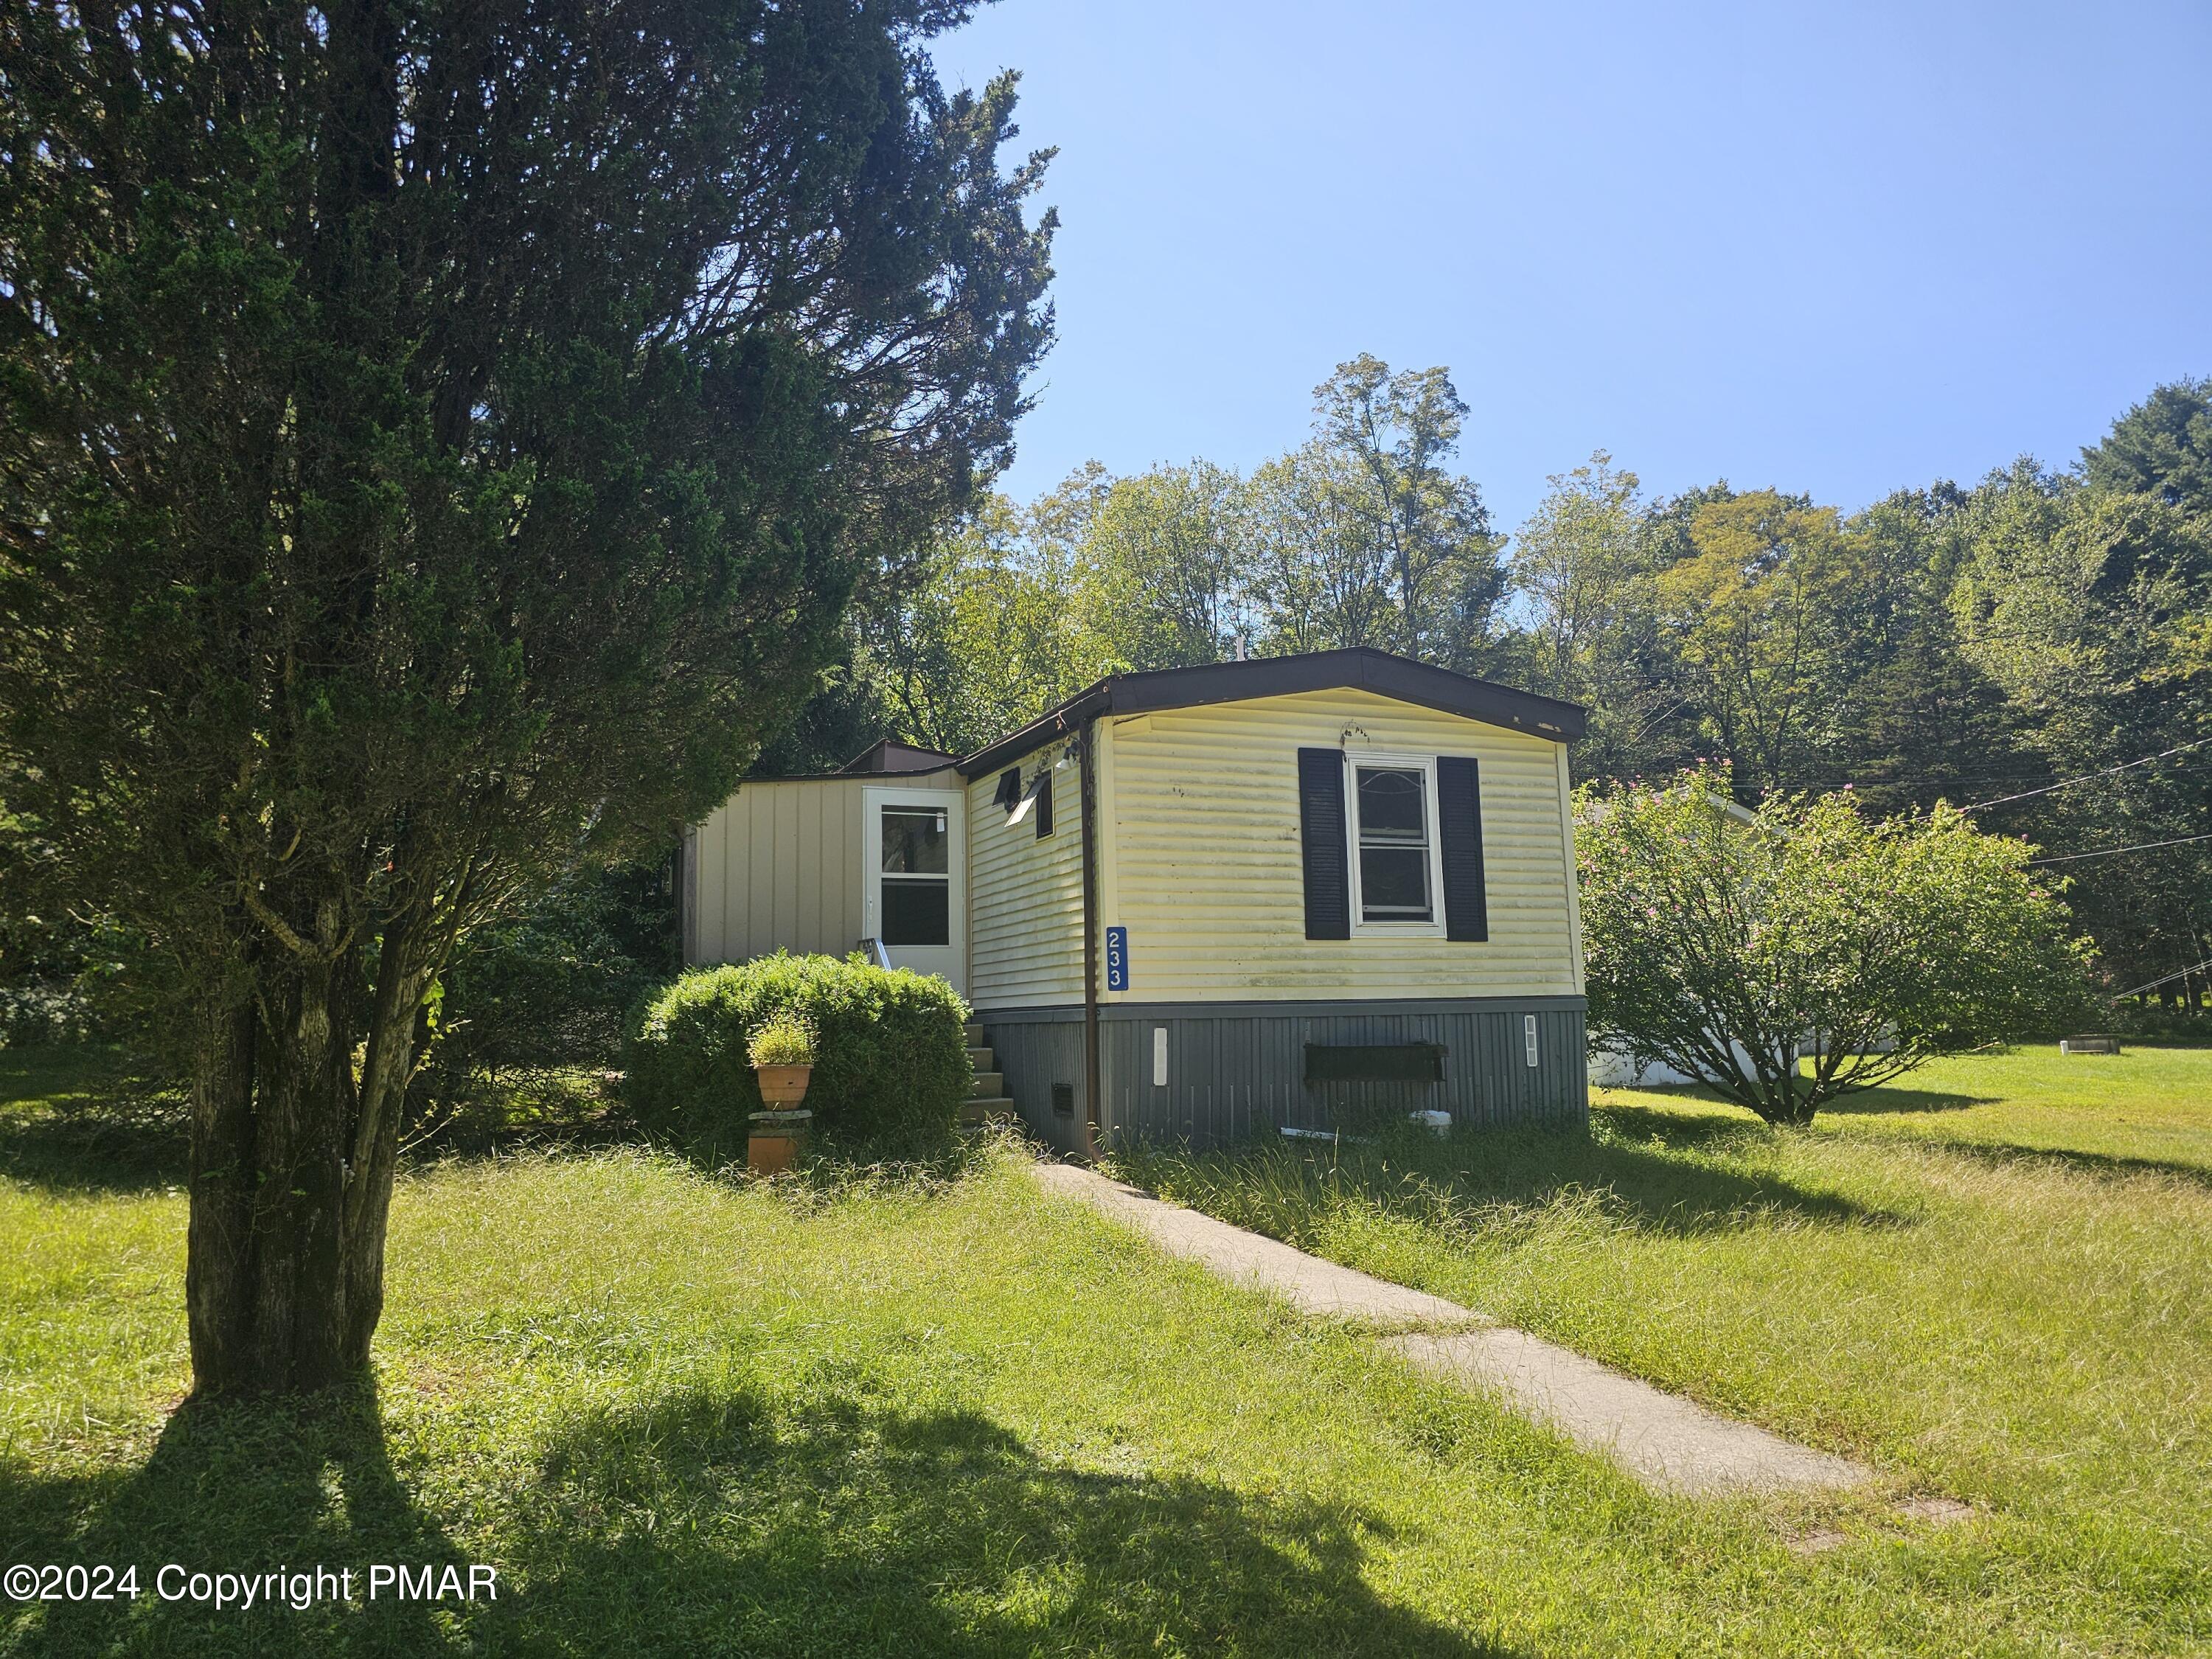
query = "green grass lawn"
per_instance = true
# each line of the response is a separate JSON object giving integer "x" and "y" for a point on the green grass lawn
{"x": 687, "y": 1415}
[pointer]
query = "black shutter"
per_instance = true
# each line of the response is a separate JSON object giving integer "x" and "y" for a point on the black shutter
{"x": 1044, "y": 804}
{"x": 1459, "y": 825}
{"x": 1321, "y": 828}
{"x": 1010, "y": 789}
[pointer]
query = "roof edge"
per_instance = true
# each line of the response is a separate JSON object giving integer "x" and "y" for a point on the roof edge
{"x": 1401, "y": 678}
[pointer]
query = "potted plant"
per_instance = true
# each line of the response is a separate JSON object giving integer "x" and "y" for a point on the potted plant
{"x": 782, "y": 1053}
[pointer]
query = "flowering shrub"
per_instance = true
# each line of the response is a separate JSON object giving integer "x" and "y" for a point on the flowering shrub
{"x": 1724, "y": 942}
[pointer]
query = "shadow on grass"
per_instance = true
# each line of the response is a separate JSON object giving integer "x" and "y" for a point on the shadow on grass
{"x": 1650, "y": 1169}
{"x": 923, "y": 1165}
{"x": 697, "y": 1523}
{"x": 2006, "y": 1154}
{"x": 1728, "y": 1125}
{"x": 1892, "y": 1098}
{"x": 244, "y": 1488}
{"x": 89, "y": 1120}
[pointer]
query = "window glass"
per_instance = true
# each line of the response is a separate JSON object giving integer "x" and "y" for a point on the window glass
{"x": 914, "y": 840}
{"x": 917, "y": 912}
{"x": 1393, "y": 844}
{"x": 1390, "y": 806}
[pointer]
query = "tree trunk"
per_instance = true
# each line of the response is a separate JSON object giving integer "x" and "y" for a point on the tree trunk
{"x": 219, "y": 1250}
{"x": 291, "y": 1169}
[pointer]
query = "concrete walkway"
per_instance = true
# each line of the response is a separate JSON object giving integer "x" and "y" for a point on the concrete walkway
{"x": 1664, "y": 1440}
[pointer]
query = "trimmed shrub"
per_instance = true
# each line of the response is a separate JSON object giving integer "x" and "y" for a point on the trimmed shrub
{"x": 891, "y": 1062}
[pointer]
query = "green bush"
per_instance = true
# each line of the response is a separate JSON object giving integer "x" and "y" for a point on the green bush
{"x": 891, "y": 1064}
{"x": 529, "y": 1004}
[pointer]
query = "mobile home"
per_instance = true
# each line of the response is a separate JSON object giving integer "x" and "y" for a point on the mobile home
{"x": 1205, "y": 903}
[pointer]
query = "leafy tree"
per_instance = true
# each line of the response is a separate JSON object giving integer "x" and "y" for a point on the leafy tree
{"x": 1577, "y": 566}
{"x": 1165, "y": 567}
{"x": 1900, "y": 711}
{"x": 1364, "y": 537}
{"x": 524, "y": 999}
{"x": 2082, "y": 604}
{"x": 1752, "y": 608}
{"x": 440, "y": 443}
{"x": 849, "y": 709}
{"x": 1582, "y": 574}
{"x": 1320, "y": 581}
{"x": 1721, "y": 941}
{"x": 995, "y": 636}
{"x": 1399, "y": 432}
{"x": 1646, "y": 715}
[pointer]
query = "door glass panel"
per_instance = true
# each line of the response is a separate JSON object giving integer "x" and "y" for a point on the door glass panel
{"x": 917, "y": 911}
{"x": 914, "y": 840}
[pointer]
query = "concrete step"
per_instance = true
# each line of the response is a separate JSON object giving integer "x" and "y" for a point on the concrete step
{"x": 974, "y": 1031}
{"x": 980, "y": 1056}
{"x": 987, "y": 1085}
{"x": 975, "y": 1114}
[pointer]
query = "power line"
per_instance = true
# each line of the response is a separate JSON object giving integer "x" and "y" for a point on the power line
{"x": 2114, "y": 852}
{"x": 2088, "y": 777}
{"x": 2179, "y": 973}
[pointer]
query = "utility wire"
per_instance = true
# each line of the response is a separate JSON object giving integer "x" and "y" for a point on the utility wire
{"x": 2179, "y": 973}
{"x": 2114, "y": 852}
{"x": 2088, "y": 777}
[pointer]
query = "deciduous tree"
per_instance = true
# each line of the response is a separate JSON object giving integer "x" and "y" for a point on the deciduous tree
{"x": 1166, "y": 567}
{"x": 1724, "y": 942}
{"x": 1753, "y": 609}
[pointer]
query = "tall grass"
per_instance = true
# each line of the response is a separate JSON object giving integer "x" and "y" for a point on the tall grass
{"x": 2025, "y": 1324}
{"x": 938, "y": 1412}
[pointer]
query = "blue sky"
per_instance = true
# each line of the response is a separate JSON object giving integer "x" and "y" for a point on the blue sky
{"x": 1839, "y": 248}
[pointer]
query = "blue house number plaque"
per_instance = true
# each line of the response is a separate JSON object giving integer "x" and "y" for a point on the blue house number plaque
{"x": 1117, "y": 959}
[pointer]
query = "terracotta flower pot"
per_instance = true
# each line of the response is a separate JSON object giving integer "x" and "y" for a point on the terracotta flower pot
{"x": 783, "y": 1085}
{"x": 775, "y": 1141}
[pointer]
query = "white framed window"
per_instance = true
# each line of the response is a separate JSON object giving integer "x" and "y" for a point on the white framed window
{"x": 1397, "y": 864}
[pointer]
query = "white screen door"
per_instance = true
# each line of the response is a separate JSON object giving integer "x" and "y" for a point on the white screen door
{"x": 914, "y": 862}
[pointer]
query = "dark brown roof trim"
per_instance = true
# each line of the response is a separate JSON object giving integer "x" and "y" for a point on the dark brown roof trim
{"x": 1379, "y": 672}
{"x": 889, "y": 756}
{"x": 844, "y": 777}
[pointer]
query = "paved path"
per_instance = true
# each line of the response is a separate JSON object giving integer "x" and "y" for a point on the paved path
{"x": 1662, "y": 1439}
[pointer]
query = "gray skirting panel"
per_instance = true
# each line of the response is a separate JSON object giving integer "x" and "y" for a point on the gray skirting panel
{"x": 1238, "y": 1069}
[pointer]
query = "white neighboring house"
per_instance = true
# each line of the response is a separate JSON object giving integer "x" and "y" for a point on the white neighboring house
{"x": 1617, "y": 1068}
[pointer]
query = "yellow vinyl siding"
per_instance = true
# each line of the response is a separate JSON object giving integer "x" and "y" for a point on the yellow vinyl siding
{"x": 1025, "y": 896}
{"x": 779, "y": 864}
{"x": 1203, "y": 840}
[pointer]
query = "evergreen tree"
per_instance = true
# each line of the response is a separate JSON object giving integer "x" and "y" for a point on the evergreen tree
{"x": 440, "y": 443}
{"x": 2161, "y": 447}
